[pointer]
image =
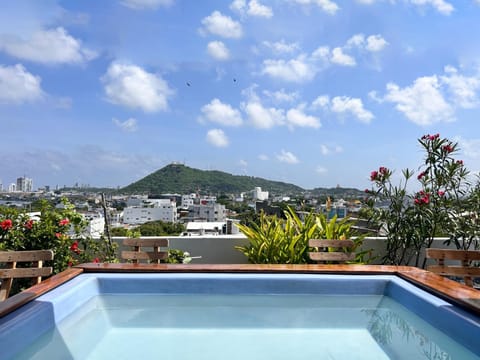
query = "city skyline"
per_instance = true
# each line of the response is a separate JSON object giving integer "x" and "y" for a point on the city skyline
{"x": 316, "y": 93}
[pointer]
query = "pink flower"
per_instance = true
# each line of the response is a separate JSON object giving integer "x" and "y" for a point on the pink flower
{"x": 29, "y": 224}
{"x": 58, "y": 235}
{"x": 422, "y": 198}
{"x": 441, "y": 193}
{"x": 6, "y": 224}
{"x": 421, "y": 175}
{"x": 447, "y": 148}
{"x": 460, "y": 162}
{"x": 373, "y": 175}
{"x": 96, "y": 260}
{"x": 70, "y": 264}
{"x": 64, "y": 222}
{"x": 383, "y": 170}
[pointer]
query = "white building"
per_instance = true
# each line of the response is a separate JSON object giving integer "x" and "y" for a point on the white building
{"x": 206, "y": 211}
{"x": 137, "y": 200}
{"x": 205, "y": 228}
{"x": 188, "y": 200}
{"x": 12, "y": 187}
{"x": 96, "y": 224}
{"x": 24, "y": 184}
{"x": 158, "y": 210}
{"x": 260, "y": 195}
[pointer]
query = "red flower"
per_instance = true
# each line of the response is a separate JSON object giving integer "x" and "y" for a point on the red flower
{"x": 373, "y": 175}
{"x": 74, "y": 247}
{"x": 6, "y": 224}
{"x": 447, "y": 148}
{"x": 460, "y": 162}
{"x": 64, "y": 222}
{"x": 70, "y": 264}
{"x": 422, "y": 198}
{"x": 441, "y": 193}
{"x": 29, "y": 224}
{"x": 421, "y": 175}
{"x": 58, "y": 235}
{"x": 383, "y": 170}
{"x": 96, "y": 260}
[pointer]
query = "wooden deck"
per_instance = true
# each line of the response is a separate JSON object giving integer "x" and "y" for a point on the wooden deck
{"x": 449, "y": 290}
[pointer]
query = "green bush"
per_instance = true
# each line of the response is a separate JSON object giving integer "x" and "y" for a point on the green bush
{"x": 285, "y": 241}
{"x": 447, "y": 204}
{"x": 60, "y": 230}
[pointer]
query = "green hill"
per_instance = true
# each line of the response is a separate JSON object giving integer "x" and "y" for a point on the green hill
{"x": 178, "y": 178}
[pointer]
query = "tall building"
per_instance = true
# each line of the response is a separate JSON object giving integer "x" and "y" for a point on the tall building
{"x": 24, "y": 184}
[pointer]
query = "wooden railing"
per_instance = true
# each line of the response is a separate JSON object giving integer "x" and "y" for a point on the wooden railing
{"x": 33, "y": 261}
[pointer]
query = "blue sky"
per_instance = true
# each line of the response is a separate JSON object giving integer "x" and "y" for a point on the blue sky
{"x": 313, "y": 92}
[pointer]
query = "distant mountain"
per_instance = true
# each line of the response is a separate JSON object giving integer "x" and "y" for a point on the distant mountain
{"x": 178, "y": 178}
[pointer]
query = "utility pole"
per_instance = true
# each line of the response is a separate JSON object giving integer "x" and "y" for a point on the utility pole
{"x": 107, "y": 223}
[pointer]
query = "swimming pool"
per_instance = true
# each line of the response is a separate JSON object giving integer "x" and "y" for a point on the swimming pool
{"x": 239, "y": 315}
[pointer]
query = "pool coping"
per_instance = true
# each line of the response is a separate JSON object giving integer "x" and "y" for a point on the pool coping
{"x": 452, "y": 291}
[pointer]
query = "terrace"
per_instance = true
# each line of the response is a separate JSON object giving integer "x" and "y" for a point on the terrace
{"x": 385, "y": 293}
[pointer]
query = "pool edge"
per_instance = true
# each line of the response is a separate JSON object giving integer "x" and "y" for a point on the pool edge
{"x": 456, "y": 293}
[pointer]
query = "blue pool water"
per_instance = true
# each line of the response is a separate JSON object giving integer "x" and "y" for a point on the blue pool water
{"x": 218, "y": 316}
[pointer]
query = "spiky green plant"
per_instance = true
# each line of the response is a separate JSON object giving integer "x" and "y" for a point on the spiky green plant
{"x": 285, "y": 241}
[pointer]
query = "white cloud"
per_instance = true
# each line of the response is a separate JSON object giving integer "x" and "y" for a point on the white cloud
{"x": 422, "y": 102}
{"x": 218, "y": 50}
{"x": 441, "y": 6}
{"x": 263, "y": 157}
{"x": 321, "y": 102}
{"x": 354, "y": 106}
{"x": 243, "y": 163}
{"x": 357, "y": 40}
{"x": 238, "y": 6}
{"x": 327, "y": 150}
{"x": 321, "y": 170}
{"x": 327, "y": 6}
{"x": 129, "y": 125}
{"x": 254, "y": 8}
{"x": 146, "y": 4}
{"x": 217, "y": 137}
{"x": 287, "y": 157}
{"x": 376, "y": 43}
{"x": 262, "y": 117}
{"x": 295, "y": 70}
{"x": 281, "y": 47}
{"x": 133, "y": 87}
{"x": 282, "y": 96}
{"x": 463, "y": 89}
{"x": 17, "y": 85}
{"x": 322, "y": 53}
{"x": 469, "y": 147}
{"x": 297, "y": 118}
{"x": 344, "y": 105}
{"x": 372, "y": 43}
{"x": 366, "y": 2}
{"x": 433, "y": 99}
{"x": 257, "y": 9}
{"x": 54, "y": 46}
{"x": 222, "y": 25}
{"x": 340, "y": 58}
{"x": 220, "y": 113}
